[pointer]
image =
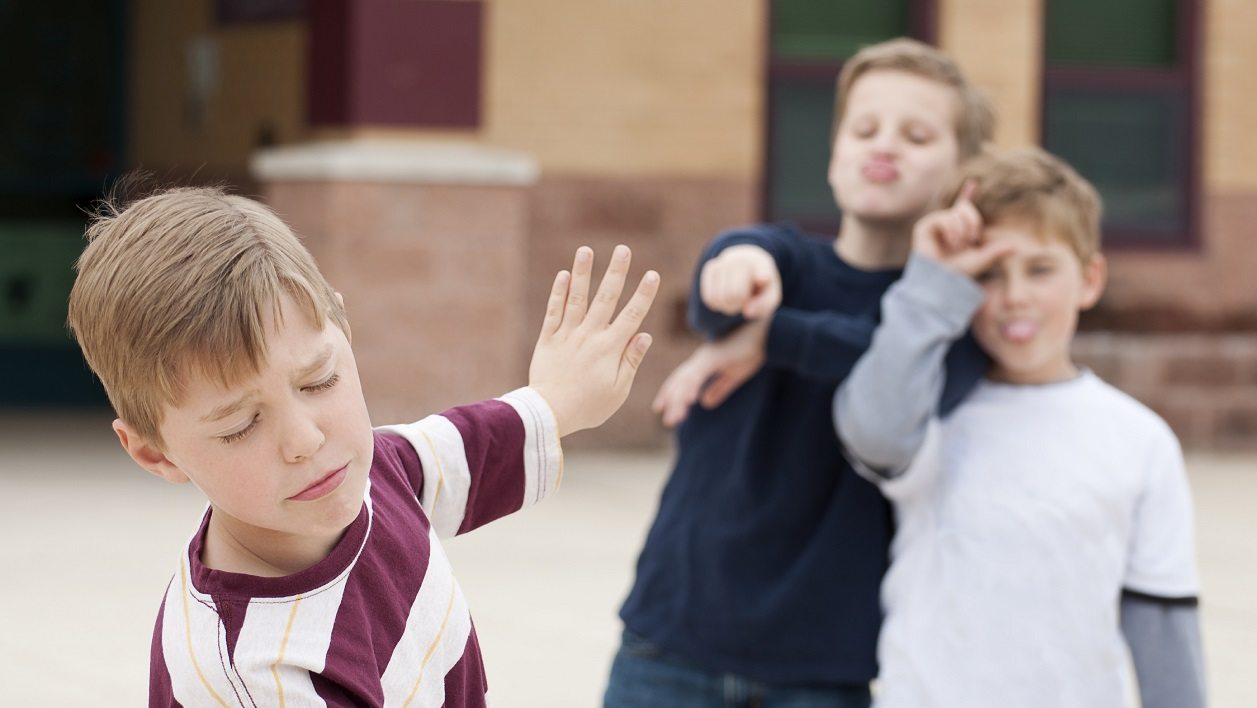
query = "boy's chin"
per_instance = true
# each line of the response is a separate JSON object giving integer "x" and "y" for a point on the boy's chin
{"x": 886, "y": 215}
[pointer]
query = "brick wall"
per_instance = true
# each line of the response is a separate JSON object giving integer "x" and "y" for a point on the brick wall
{"x": 1204, "y": 385}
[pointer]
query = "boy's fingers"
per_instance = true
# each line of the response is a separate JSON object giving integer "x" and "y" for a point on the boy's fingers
{"x": 676, "y": 396}
{"x": 578, "y": 290}
{"x": 724, "y": 289}
{"x": 972, "y": 221}
{"x": 952, "y": 231}
{"x": 630, "y": 318}
{"x": 967, "y": 190}
{"x": 717, "y": 390}
{"x": 554, "y": 306}
{"x": 764, "y": 303}
{"x": 707, "y": 285}
{"x": 633, "y": 355}
{"x": 983, "y": 257}
{"x": 609, "y": 289}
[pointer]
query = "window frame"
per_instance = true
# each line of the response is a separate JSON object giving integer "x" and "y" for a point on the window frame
{"x": 922, "y": 25}
{"x": 1184, "y": 76}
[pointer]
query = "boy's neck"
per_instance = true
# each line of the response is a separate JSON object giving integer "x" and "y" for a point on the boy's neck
{"x": 870, "y": 245}
{"x": 269, "y": 555}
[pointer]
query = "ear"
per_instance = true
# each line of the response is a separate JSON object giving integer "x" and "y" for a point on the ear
{"x": 348, "y": 331}
{"x": 1094, "y": 275}
{"x": 147, "y": 455}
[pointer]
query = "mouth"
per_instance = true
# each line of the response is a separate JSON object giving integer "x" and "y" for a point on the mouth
{"x": 323, "y": 486}
{"x": 879, "y": 172}
{"x": 1018, "y": 331}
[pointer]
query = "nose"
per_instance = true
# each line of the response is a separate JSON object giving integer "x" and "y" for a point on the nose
{"x": 1016, "y": 289}
{"x": 302, "y": 435}
{"x": 885, "y": 143}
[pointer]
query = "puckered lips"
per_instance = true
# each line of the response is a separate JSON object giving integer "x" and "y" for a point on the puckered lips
{"x": 880, "y": 171}
{"x": 323, "y": 486}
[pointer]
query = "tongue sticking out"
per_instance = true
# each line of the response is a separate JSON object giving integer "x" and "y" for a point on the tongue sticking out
{"x": 1019, "y": 331}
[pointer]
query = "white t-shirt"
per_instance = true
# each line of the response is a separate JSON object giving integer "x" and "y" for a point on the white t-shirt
{"x": 1020, "y": 521}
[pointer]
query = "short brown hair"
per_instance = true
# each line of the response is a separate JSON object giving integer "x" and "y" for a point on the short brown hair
{"x": 975, "y": 118}
{"x": 1030, "y": 186}
{"x": 177, "y": 283}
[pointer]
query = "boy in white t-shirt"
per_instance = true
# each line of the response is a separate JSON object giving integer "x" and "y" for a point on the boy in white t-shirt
{"x": 1049, "y": 515}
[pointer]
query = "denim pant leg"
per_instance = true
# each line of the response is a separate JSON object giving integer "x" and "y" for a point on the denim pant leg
{"x": 645, "y": 676}
{"x": 855, "y": 696}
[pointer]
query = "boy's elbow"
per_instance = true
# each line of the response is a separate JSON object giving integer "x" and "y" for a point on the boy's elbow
{"x": 875, "y": 448}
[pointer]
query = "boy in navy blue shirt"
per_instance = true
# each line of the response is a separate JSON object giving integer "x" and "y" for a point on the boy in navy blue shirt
{"x": 758, "y": 583}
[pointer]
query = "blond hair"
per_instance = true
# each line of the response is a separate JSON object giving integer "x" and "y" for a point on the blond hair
{"x": 1031, "y": 187}
{"x": 975, "y": 118}
{"x": 177, "y": 284}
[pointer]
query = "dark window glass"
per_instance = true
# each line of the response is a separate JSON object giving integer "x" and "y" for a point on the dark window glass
{"x": 1118, "y": 104}
{"x": 810, "y": 41}
{"x": 1112, "y": 33}
{"x": 816, "y": 29}
{"x": 800, "y": 148}
{"x": 1129, "y": 145}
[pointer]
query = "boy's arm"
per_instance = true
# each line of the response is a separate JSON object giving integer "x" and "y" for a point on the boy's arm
{"x": 484, "y": 461}
{"x": 480, "y": 462}
{"x": 1164, "y": 639}
{"x": 1159, "y": 617}
{"x": 721, "y": 289}
{"x": 882, "y": 410}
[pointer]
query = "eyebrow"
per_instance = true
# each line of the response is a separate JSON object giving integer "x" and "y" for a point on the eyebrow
{"x": 318, "y": 362}
{"x": 227, "y": 409}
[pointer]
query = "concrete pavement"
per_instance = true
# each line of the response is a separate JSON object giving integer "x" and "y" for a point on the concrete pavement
{"x": 88, "y": 542}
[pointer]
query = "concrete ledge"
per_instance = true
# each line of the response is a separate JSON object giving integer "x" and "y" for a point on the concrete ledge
{"x": 394, "y": 161}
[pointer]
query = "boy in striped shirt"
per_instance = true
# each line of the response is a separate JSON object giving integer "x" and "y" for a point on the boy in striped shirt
{"x": 316, "y": 576}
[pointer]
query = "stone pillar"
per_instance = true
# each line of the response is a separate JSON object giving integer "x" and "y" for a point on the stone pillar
{"x": 427, "y": 243}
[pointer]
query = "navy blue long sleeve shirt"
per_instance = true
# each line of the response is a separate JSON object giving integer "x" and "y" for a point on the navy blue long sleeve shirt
{"x": 768, "y": 550}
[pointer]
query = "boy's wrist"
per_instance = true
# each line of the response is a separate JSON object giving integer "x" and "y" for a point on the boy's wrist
{"x": 548, "y": 400}
{"x": 941, "y": 289}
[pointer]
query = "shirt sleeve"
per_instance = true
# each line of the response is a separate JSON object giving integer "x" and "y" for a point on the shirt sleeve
{"x": 883, "y": 411}
{"x": 817, "y": 344}
{"x": 1164, "y": 640}
{"x": 779, "y": 243}
{"x": 483, "y": 461}
{"x": 1162, "y": 558}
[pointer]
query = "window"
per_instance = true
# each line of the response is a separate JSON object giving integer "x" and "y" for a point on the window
{"x": 1119, "y": 103}
{"x": 809, "y": 41}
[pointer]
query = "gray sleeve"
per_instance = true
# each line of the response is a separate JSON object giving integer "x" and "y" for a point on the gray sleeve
{"x": 882, "y": 409}
{"x": 1164, "y": 639}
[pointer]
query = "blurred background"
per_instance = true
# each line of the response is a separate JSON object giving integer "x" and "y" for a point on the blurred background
{"x": 443, "y": 158}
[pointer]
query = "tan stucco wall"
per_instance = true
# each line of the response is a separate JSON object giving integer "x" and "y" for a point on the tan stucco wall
{"x": 1229, "y": 102}
{"x": 999, "y": 45}
{"x": 611, "y": 87}
{"x": 602, "y": 87}
{"x": 261, "y": 82}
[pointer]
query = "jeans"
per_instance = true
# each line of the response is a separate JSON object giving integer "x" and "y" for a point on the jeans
{"x": 645, "y": 676}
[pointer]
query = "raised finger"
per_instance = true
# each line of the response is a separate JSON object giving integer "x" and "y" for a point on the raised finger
{"x": 967, "y": 190}
{"x": 609, "y": 289}
{"x": 578, "y": 291}
{"x": 972, "y": 220}
{"x": 630, "y": 318}
{"x": 554, "y": 306}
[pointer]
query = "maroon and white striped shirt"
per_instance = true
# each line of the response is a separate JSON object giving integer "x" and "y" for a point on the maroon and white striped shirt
{"x": 380, "y": 621}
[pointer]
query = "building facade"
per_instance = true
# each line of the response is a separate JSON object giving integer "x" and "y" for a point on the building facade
{"x": 444, "y": 157}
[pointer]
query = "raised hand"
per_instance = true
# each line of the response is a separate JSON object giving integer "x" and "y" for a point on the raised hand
{"x": 741, "y": 280}
{"x": 585, "y": 359}
{"x": 954, "y": 236}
